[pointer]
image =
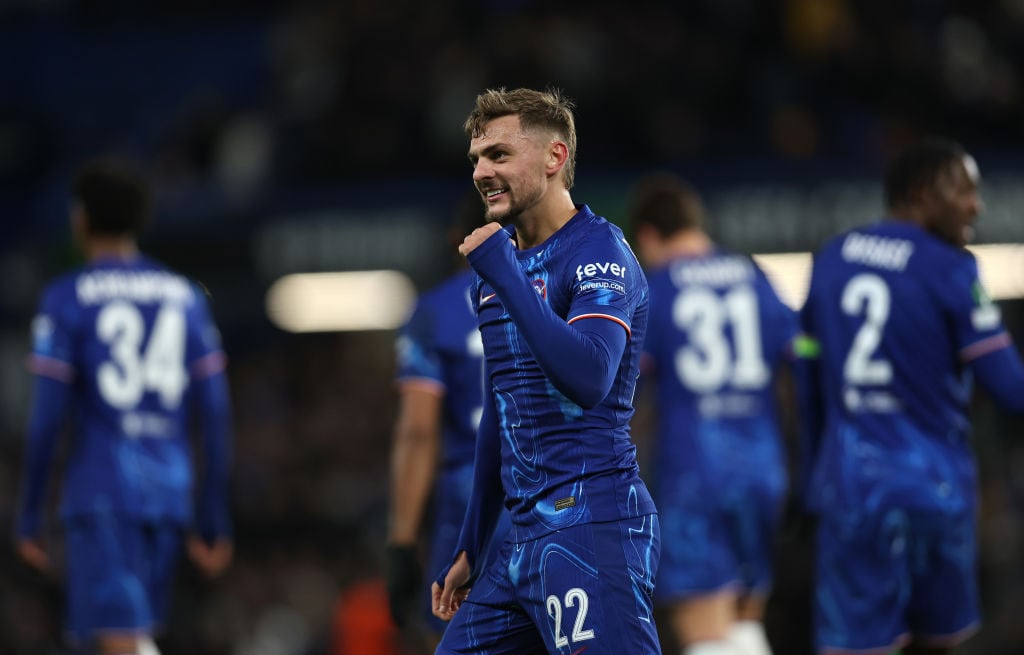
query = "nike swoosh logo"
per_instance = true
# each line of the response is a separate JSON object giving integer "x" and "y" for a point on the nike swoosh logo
{"x": 484, "y": 299}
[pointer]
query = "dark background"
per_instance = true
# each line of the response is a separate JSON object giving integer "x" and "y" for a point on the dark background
{"x": 303, "y": 136}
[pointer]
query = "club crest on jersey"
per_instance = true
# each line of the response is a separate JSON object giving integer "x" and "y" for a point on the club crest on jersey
{"x": 541, "y": 288}
{"x": 985, "y": 315}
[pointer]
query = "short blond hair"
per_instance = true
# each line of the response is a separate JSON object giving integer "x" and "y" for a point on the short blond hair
{"x": 549, "y": 110}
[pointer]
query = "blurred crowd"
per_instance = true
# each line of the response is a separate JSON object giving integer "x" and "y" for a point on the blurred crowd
{"x": 234, "y": 101}
{"x": 251, "y": 108}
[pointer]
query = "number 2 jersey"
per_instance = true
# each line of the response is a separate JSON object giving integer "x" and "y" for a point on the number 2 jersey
{"x": 717, "y": 334}
{"x": 131, "y": 339}
{"x": 899, "y": 315}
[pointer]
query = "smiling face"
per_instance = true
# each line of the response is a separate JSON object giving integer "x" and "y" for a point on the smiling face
{"x": 511, "y": 167}
{"x": 953, "y": 202}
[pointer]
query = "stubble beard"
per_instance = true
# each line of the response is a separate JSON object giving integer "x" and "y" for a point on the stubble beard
{"x": 501, "y": 217}
{"x": 514, "y": 209}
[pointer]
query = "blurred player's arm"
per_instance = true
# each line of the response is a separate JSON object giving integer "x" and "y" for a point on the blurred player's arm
{"x": 985, "y": 344}
{"x": 51, "y": 399}
{"x": 485, "y": 504}
{"x": 1001, "y": 373}
{"x": 414, "y": 453}
{"x": 581, "y": 359}
{"x": 212, "y": 549}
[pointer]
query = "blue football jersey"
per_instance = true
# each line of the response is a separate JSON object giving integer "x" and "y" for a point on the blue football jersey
{"x": 440, "y": 348}
{"x": 129, "y": 337}
{"x": 899, "y": 314}
{"x": 562, "y": 464}
{"x": 717, "y": 335}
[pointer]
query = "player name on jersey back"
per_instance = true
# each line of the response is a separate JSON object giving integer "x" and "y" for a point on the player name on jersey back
{"x": 715, "y": 272}
{"x": 135, "y": 286}
{"x": 876, "y": 251}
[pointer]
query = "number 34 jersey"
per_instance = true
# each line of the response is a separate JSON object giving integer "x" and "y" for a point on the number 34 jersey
{"x": 899, "y": 314}
{"x": 716, "y": 337}
{"x": 129, "y": 337}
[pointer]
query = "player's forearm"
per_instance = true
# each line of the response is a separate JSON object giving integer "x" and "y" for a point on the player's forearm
{"x": 413, "y": 464}
{"x": 581, "y": 362}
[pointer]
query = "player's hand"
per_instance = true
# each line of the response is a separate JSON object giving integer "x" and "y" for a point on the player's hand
{"x": 33, "y": 554}
{"x": 447, "y": 601}
{"x": 211, "y": 559}
{"x": 404, "y": 578}
{"x": 477, "y": 237}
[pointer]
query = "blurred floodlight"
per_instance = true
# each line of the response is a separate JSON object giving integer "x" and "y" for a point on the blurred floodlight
{"x": 340, "y": 302}
{"x": 1000, "y": 265}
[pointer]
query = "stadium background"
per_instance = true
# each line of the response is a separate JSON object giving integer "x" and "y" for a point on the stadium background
{"x": 312, "y": 136}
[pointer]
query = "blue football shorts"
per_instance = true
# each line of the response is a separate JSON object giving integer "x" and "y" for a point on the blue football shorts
{"x": 886, "y": 578}
{"x": 587, "y": 588}
{"x": 711, "y": 546}
{"x": 119, "y": 574}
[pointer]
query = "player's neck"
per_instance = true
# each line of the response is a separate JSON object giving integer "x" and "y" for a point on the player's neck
{"x": 908, "y": 214}
{"x": 535, "y": 226}
{"x": 102, "y": 247}
{"x": 688, "y": 243}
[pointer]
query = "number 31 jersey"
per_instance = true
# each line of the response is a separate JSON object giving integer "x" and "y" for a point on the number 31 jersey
{"x": 717, "y": 334}
{"x": 129, "y": 337}
{"x": 899, "y": 314}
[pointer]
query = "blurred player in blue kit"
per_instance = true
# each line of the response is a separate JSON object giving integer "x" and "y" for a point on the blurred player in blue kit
{"x": 440, "y": 384}
{"x": 716, "y": 339}
{"x": 904, "y": 327}
{"x": 125, "y": 348}
{"x": 562, "y": 308}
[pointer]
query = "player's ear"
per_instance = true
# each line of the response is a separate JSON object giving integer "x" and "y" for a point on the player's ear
{"x": 926, "y": 195}
{"x": 558, "y": 154}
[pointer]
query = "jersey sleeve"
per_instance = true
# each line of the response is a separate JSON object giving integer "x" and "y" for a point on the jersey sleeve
{"x": 207, "y": 365}
{"x": 418, "y": 361}
{"x": 52, "y": 361}
{"x": 580, "y": 361}
{"x": 607, "y": 282}
{"x": 977, "y": 322}
{"x": 52, "y": 330}
{"x": 204, "y": 353}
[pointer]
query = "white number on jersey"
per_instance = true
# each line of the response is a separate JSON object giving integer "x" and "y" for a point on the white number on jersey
{"x": 709, "y": 361}
{"x": 867, "y": 295}
{"x": 555, "y": 612}
{"x": 130, "y": 372}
